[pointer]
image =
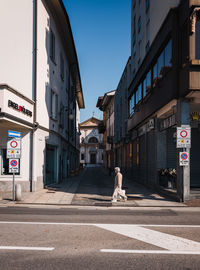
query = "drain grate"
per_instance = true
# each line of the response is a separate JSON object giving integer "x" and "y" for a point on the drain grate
{"x": 50, "y": 192}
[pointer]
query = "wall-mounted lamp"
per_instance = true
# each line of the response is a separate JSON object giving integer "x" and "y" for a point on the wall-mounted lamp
{"x": 71, "y": 117}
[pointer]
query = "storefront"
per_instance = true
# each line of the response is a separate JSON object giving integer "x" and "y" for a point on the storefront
{"x": 16, "y": 113}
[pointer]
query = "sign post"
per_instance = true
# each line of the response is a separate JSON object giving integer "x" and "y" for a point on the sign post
{"x": 14, "y": 154}
{"x": 13, "y": 168}
{"x": 183, "y": 137}
{"x": 184, "y": 142}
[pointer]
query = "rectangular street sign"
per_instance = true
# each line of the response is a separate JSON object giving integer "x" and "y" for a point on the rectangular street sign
{"x": 183, "y": 143}
{"x": 183, "y": 137}
{"x": 183, "y": 158}
{"x": 14, "y": 134}
{"x": 13, "y": 165}
{"x": 14, "y": 148}
{"x": 11, "y": 153}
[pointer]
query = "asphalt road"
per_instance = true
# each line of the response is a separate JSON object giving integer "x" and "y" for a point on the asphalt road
{"x": 99, "y": 238}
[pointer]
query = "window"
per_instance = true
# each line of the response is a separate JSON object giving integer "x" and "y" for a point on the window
{"x": 160, "y": 64}
{"x": 5, "y": 163}
{"x": 147, "y": 36}
{"x": 54, "y": 105}
{"x": 93, "y": 140}
{"x": 134, "y": 3}
{"x": 168, "y": 54}
{"x": 147, "y": 5}
{"x": 61, "y": 67}
{"x": 139, "y": 62}
{"x": 147, "y": 47}
{"x": 52, "y": 46}
{"x": 131, "y": 105}
{"x": 82, "y": 156}
{"x": 138, "y": 94}
{"x": 139, "y": 24}
{"x": 147, "y": 83}
{"x": 155, "y": 72}
{"x": 134, "y": 34}
{"x": 61, "y": 116}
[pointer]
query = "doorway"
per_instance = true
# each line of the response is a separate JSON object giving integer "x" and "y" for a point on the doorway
{"x": 51, "y": 164}
{"x": 93, "y": 158}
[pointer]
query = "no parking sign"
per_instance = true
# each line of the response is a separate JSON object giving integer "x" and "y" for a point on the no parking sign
{"x": 13, "y": 165}
{"x": 184, "y": 159}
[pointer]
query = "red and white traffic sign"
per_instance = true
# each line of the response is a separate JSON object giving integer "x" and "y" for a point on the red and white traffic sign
{"x": 14, "y": 148}
{"x": 184, "y": 159}
{"x": 183, "y": 137}
{"x": 13, "y": 165}
{"x": 183, "y": 132}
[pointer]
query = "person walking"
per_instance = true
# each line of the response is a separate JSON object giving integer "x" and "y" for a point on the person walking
{"x": 118, "y": 186}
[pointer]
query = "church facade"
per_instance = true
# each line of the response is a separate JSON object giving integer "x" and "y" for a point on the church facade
{"x": 91, "y": 151}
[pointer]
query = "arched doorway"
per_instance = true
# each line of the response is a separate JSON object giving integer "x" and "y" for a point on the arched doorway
{"x": 93, "y": 158}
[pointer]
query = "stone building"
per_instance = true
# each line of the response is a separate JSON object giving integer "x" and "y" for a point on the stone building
{"x": 91, "y": 151}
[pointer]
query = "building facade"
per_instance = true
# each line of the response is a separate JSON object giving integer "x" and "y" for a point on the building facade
{"x": 121, "y": 114}
{"x": 165, "y": 94}
{"x": 40, "y": 92}
{"x": 106, "y": 104}
{"x": 91, "y": 151}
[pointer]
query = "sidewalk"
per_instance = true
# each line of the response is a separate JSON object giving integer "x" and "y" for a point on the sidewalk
{"x": 94, "y": 187}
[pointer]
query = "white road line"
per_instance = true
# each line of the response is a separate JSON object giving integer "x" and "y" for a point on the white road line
{"x": 159, "y": 239}
{"x": 98, "y": 224}
{"x": 27, "y": 248}
{"x": 129, "y": 251}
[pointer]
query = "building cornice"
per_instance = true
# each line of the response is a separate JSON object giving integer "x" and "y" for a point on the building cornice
{"x": 16, "y": 92}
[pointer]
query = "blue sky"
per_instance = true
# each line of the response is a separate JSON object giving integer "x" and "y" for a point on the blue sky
{"x": 101, "y": 30}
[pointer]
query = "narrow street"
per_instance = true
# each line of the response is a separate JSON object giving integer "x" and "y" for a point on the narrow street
{"x": 94, "y": 187}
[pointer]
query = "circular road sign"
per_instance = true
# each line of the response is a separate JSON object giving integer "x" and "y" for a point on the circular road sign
{"x": 184, "y": 156}
{"x": 183, "y": 133}
{"x": 13, "y": 144}
{"x": 13, "y": 163}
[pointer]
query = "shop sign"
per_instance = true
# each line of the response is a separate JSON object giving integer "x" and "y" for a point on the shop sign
{"x": 14, "y": 134}
{"x": 183, "y": 137}
{"x": 13, "y": 165}
{"x": 168, "y": 122}
{"x": 151, "y": 124}
{"x": 184, "y": 159}
{"x": 19, "y": 108}
{"x": 142, "y": 130}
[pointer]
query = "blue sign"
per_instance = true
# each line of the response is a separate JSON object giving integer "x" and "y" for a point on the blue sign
{"x": 14, "y": 134}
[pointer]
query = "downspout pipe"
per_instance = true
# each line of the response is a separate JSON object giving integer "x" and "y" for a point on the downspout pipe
{"x": 34, "y": 95}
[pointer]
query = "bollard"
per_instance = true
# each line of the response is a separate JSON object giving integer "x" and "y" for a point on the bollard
{"x": 18, "y": 192}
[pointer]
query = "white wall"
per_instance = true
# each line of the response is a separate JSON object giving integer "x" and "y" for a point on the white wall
{"x": 48, "y": 72}
{"x": 16, "y": 30}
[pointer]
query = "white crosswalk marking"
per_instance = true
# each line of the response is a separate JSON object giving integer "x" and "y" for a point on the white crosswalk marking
{"x": 26, "y": 248}
{"x": 170, "y": 243}
{"x": 159, "y": 239}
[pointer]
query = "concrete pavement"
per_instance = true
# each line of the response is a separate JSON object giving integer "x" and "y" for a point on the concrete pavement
{"x": 94, "y": 187}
